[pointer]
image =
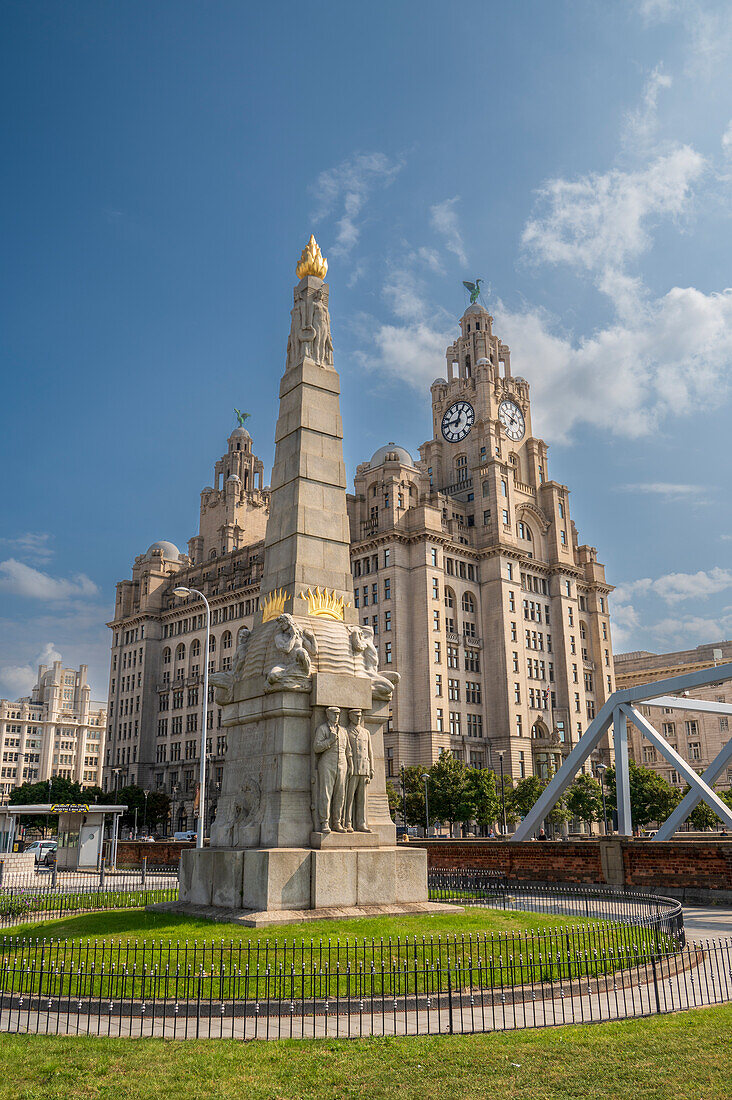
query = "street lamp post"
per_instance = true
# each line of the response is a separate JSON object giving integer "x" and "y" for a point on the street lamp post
{"x": 48, "y": 815}
{"x": 144, "y": 816}
{"x": 503, "y": 795}
{"x": 404, "y": 799}
{"x": 602, "y": 768}
{"x": 183, "y": 591}
{"x": 426, "y": 803}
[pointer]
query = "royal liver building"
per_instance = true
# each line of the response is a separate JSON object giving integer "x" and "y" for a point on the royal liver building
{"x": 466, "y": 567}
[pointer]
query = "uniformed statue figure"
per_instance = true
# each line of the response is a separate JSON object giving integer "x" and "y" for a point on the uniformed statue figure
{"x": 360, "y": 774}
{"x": 332, "y": 748}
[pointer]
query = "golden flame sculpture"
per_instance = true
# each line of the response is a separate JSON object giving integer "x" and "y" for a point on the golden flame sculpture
{"x": 325, "y": 604}
{"x": 312, "y": 261}
{"x": 274, "y": 604}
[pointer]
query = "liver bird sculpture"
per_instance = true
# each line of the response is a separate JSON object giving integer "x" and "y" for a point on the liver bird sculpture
{"x": 241, "y": 417}
{"x": 474, "y": 289}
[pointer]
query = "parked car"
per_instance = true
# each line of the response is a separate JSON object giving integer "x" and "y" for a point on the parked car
{"x": 44, "y": 851}
{"x": 184, "y": 836}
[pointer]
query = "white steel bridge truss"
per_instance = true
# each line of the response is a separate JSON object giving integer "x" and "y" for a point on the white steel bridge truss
{"x": 619, "y": 707}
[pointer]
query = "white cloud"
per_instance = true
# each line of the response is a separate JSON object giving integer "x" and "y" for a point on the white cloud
{"x": 17, "y": 680}
{"x": 444, "y": 220}
{"x": 22, "y": 580}
{"x": 31, "y": 544}
{"x": 674, "y": 587}
{"x": 666, "y": 489}
{"x": 600, "y": 221}
{"x": 672, "y": 357}
{"x": 707, "y": 30}
{"x": 642, "y": 122}
{"x": 727, "y": 140}
{"x": 346, "y": 188}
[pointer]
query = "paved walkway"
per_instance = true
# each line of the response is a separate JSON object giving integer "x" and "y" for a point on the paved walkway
{"x": 707, "y": 922}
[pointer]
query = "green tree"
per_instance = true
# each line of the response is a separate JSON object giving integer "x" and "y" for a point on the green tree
{"x": 584, "y": 799}
{"x": 525, "y": 794}
{"x": 395, "y": 802}
{"x": 652, "y": 799}
{"x": 414, "y": 788}
{"x": 483, "y": 795}
{"x": 449, "y": 793}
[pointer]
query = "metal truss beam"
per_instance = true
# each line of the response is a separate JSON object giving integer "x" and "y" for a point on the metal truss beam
{"x": 612, "y": 712}
{"x": 692, "y": 799}
{"x": 682, "y": 767}
{"x": 706, "y": 706}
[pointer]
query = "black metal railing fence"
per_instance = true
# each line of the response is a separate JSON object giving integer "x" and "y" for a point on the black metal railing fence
{"x": 464, "y": 993}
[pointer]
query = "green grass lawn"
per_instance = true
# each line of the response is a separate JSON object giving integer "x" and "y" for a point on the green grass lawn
{"x": 680, "y": 1057}
{"x": 134, "y": 953}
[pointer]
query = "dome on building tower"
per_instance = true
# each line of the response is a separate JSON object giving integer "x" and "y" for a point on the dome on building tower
{"x": 168, "y": 549}
{"x": 401, "y": 454}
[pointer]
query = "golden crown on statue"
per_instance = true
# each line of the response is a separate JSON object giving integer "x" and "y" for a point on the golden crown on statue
{"x": 326, "y": 605}
{"x": 274, "y": 604}
{"x": 312, "y": 261}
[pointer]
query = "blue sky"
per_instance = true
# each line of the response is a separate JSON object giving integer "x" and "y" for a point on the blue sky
{"x": 164, "y": 163}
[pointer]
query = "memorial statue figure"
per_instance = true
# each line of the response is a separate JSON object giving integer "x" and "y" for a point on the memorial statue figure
{"x": 360, "y": 774}
{"x": 362, "y": 641}
{"x": 323, "y": 346}
{"x": 297, "y": 644}
{"x": 224, "y": 681}
{"x": 332, "y": 749}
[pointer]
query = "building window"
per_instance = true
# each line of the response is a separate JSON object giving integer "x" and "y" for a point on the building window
{"x": 440, "y": 720}
{"x": 438, "y": 658}
{"x": 387, "y": 653}
{"x": 453, "y": 657}
{"x": 435, "y": 619}
{"x": 433, "y": 553}
{"x": 692, "y": 729}
{"x": 455, "y": 723}
{"x": 387, "y": 620}
{"x": 387, "y": 588}
{"x": 695, "y": 750}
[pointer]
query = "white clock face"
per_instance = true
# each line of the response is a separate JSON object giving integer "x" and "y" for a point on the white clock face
{"x": 512, "y": 418}
{"x": 457, "y": 421}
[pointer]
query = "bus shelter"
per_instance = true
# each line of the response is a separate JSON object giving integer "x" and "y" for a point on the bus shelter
{"x": 80, "y": 832}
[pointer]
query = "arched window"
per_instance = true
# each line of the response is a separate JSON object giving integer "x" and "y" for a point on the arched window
{"x": 468, "y": 604}
{"x": 583, "y": 632}
{"x": 166, "y": 655}
{"x": 212, "y": 553}
{"x": 195, "y": 648}
{"x": 212, "y": 644}
{"x": 461, "y": 468}
{"x": 486, "y": 488}
{"x": 524, "y": 531}
{"x": 226, "y": 640}
{"x": 180, "y": 653}
{"x": 449, "y": 598}
{"x": 539, "y": 730}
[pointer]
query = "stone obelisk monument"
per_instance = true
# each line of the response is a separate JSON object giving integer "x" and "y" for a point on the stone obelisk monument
{"x": 302, "y": 826}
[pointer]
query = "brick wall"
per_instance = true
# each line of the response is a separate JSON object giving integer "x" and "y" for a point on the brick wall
{"x": 673, "y": 865}
{"x": 164, "y": 853}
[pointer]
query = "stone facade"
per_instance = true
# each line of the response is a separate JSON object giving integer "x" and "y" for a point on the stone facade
{"x": 696, "y": 736}
{"x": 57, "y": 730}
{"x": 468, "y": 565}
{"x": 468, "y": 579}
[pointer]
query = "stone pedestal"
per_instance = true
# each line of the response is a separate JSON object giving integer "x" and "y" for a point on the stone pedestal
{"x": 261, "y": 886}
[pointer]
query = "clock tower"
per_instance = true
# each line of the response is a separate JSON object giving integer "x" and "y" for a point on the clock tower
{"x": 481, "y": 418}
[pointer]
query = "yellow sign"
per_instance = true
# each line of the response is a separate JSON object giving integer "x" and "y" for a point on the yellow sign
{"x": 58, "y": 808}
